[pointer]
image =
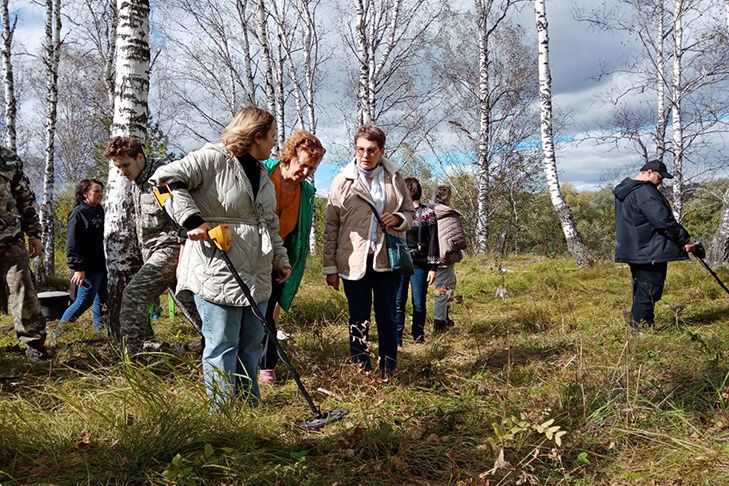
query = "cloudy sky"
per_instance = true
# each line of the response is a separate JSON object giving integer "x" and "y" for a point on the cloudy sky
{"x": 579, "y": 54}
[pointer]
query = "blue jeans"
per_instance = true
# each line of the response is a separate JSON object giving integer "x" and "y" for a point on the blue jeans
{"x": 91, "y": 293}
{"x": 233, "y": 348}
{"x": 380, "y": 287}
{"x": 419, "y": 283}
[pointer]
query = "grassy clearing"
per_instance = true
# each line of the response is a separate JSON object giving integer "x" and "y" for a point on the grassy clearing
{"x": 544, "y": 386}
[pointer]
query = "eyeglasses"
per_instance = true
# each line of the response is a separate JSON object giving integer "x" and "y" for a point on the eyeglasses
{"x": 369, "y": 150}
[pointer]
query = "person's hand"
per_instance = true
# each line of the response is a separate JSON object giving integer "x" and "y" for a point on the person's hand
{"x": 333, "y": 281}
{"x": 431, "y": 277}
{"x": 199, "y": 233}
{"x": 391, "y": 220}
{"x": 690, "y": 247}
{"x": 283, "y": 274}
{"x": 36, "y": 247}
{"x": 77, "y": 278}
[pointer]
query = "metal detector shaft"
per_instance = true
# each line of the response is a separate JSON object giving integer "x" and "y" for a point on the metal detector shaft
{"x": 713, "y": 274}
{"x": 280, "y": 349}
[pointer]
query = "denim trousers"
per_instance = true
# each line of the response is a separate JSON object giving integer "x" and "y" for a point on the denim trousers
{"x": 648, "y": 281}
{"x": 233, "y": 347}
{"x": 379, "y": 288}
{"x": 418, "y": 281}
{"x": 91, "y": 293}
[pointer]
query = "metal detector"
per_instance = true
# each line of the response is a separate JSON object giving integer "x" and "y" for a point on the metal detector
{"x": 699, "y": 254}
{"x": 220, "y": 236}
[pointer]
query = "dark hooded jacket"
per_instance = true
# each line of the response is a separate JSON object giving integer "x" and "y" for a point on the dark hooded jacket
{"x": 645, "y": 229}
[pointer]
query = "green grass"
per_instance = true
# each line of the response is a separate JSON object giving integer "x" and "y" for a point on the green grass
{"x": 470, "y": 407}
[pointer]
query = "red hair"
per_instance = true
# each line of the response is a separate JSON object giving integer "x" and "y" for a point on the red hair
{"x": 302, "y": 140}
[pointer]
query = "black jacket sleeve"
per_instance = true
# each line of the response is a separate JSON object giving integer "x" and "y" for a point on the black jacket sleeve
{"x": 433, "y": 245}
{"x": 74, "y": 254}
{"x": 656, "y": 210}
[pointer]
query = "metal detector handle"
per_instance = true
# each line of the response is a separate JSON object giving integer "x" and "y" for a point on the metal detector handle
{"x": 219, "y": 239}
{"x": 713, "y": 274}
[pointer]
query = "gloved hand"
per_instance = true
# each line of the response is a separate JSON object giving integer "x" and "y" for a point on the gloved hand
{"x": 699, "y": 250}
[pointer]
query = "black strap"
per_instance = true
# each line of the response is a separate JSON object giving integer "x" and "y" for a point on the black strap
{"x": 374, "y": 211}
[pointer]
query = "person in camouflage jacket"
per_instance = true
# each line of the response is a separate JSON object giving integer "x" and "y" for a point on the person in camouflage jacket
{"x": 159, "y": 240}
{"x": 18, "y": 216}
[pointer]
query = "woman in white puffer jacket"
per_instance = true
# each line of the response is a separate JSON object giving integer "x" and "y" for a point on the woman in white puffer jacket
{"x": 225, "y": 183}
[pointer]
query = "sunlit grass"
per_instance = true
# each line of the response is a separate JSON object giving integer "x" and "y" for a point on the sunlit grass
{"x": 470, "y": 406}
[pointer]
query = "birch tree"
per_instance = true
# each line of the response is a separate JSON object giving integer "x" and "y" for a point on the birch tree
{"x": 574, "y": 241}
{"x": 131, "y": 90}
{"x": 660, "y": 81}
{"x": 489, "y": 14}
{"x": 676, "y": 111}
{"x": 272, "y": 75}
{"x": 388, "y": 40}
{"x": 225, "y": 34}
{"x": 8, "y": 79}
{"x": 51, "y": 58}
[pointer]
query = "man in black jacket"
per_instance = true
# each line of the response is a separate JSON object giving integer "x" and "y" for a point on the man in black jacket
{"x": 648, "y": 237}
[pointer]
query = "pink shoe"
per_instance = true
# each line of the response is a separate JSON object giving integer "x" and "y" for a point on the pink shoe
{"x": 267, "y": 376}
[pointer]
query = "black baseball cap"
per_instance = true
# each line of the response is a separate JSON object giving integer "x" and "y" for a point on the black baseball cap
{"x": 657, "y": 166}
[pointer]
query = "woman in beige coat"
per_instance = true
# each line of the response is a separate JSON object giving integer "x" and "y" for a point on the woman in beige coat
{"x": 225, "y": 183}
{"x": 354, "y": 247}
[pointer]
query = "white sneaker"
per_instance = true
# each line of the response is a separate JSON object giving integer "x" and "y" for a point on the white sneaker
{"x": 282, "y": 336}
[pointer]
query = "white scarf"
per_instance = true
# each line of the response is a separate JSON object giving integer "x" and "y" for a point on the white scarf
{"x": 374, "y": 181}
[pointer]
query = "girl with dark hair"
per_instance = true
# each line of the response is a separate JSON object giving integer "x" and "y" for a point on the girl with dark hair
{"x": 85, "y": 253}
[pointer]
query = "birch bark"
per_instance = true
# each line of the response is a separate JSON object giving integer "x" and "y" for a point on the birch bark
{"x": 123, "y": 256}
{"x": 51, "y": 59}
{"x": 484, "y": 134}
{"x": 8, "y": 79}
{"x": 660, "y": 82}
{"x": 363, "y": 57}
{"x": 676, "y": 120}
{"x": 574, "y": 241}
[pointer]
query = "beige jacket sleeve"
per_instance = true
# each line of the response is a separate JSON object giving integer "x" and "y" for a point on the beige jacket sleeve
{"x": 406, "y": 211}
{"x": 332, "y": 223}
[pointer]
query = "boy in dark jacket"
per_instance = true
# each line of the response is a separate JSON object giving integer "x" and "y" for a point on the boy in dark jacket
{"x": 648, "y": 237}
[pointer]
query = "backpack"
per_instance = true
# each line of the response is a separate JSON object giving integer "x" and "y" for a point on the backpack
{"x": 451, "y": 235}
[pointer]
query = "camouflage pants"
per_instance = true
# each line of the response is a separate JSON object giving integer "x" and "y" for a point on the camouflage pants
{"x": 30, "y": 325}
{"x": 156, "y": 275}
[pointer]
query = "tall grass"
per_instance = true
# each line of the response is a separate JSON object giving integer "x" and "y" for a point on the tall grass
{"x": 541, "y": 386}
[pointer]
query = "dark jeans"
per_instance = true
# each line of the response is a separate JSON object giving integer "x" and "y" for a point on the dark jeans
{"x": 91, "y": 292}
{"x": 380, "y": 287}
{"x": 648, "y": 280}
{"x": 419, "y": 282}
{"x": 269, "y": 360}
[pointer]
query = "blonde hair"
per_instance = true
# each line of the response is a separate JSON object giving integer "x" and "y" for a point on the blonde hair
{"x": 240, "y": 134}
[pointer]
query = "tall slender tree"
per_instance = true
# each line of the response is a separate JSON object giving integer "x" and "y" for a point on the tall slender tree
{"x": 8, "y": 78}
{"x": 575, "y": 244}
{"x": 51, "y": 59}
{"x": 123, "y": 256}
{"x": 660, "y": 79}
{"x": 677, "y": 96}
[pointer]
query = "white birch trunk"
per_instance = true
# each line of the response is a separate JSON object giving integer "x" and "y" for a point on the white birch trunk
{"x": 574, "y": 241}
{"x": 109, "y": 62}
{"x": 280, "y": 112}
{"x": 660, "y": 82}
{"x": 310, "y": 40}
{"x": 8, "y": 78}
{"x": 268, "y": 67}
{"x": 484, "y": 133}
{"x": 726, "y": 11}
{"x": 242, "y": 6}
{"x": 123, "y": 256}
{"x": 51, "y": 59}
{"x": 676, "y": 121}
{"x": 363, "y": 58}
